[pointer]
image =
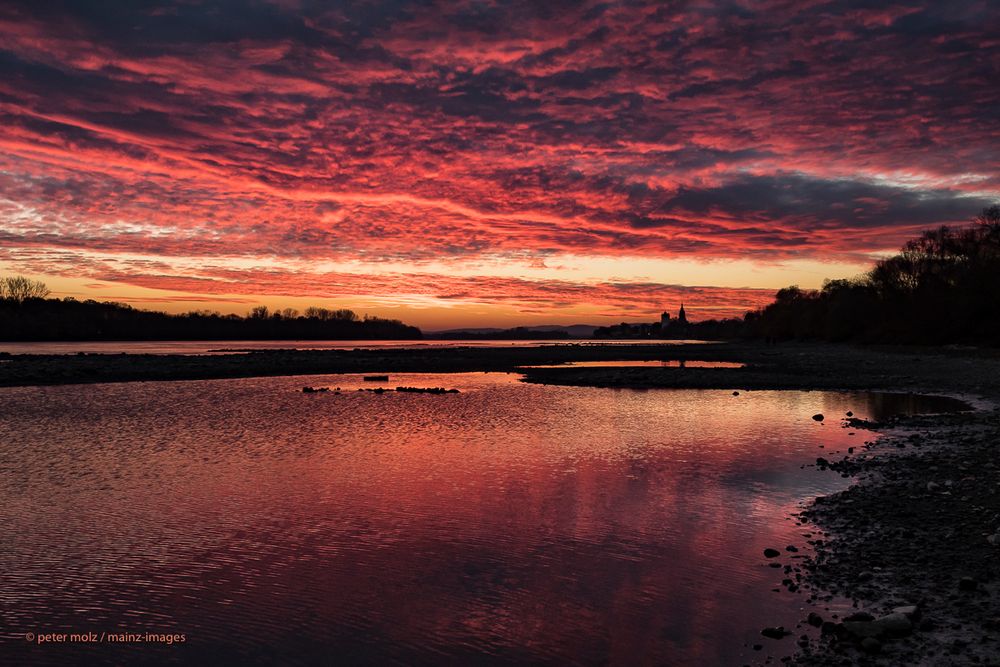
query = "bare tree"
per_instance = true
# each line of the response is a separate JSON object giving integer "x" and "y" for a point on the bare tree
{"x": 19, "y": 289}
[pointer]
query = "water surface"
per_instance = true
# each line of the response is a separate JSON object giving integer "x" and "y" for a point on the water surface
{"x": 509, "y": 523}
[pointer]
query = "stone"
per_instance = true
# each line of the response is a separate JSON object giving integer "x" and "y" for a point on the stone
{"x": 862, "y": 629}
{"x": 818, "y": 417}
{"x": 771, "y": 553}
{"x": 895, "y": 625}
{"x": 860, "y": 616}
{"x": 775, "y": 633}
{"x": 850, "y": 414}
{"x": 792, "y": 548}
{"x": 814, "y": 619}
{"x": 911, "y": 611}
{"x": 967, "y": 584}
{"x": 871, "y": 645}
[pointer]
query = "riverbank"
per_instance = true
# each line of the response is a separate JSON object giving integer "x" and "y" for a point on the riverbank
{"x": 46, "y": 369}
{"x": 915, "y": 543}
{"x": 787, "y": 366}
{"x": 918, "y": 533}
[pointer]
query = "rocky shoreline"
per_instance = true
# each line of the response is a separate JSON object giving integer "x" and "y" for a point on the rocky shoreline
{"x": 915, "y": 544}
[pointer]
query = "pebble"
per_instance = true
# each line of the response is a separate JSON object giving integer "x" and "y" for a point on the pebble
{"x": 967, "y": 584}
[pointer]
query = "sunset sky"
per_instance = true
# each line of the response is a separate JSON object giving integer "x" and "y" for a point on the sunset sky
{"x": 485, "y": 163}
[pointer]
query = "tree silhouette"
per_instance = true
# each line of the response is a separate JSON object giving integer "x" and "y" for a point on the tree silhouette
{"x": 26, "y": 316}
{"x": 19, "y": 289}
{"x": 943, "y": 286}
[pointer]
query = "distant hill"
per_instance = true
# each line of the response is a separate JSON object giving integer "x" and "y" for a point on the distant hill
{"x": 540, "y": 331}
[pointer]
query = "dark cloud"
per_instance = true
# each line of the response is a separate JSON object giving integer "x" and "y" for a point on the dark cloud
{"x": 837, "y": 203}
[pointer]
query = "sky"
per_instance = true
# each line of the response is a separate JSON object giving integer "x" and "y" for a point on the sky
{"x": 486, "y": 163}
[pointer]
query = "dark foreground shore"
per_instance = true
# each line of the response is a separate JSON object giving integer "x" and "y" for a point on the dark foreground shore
{"x": 914, "y": 543}
{"x": 787, "y": 366}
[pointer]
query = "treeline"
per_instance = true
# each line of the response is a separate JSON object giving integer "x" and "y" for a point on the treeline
{"x": 943, "y": 287}
{"x": 35, "y": 318}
